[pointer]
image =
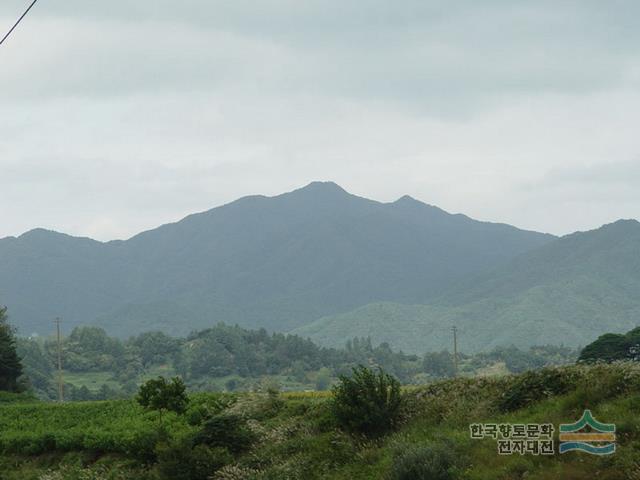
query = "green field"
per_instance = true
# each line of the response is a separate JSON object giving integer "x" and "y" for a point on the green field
{"x": 92, "y": 380}
{"x": 296, "y": 437}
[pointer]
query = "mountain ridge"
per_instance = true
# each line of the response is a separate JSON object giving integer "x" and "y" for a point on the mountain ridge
{"x": 568, "y": 291}
{"x": 275, "y": 262}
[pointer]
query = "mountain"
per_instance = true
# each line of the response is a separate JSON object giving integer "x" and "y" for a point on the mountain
{"x": 274, "y": 262}
{"x": 569, "y": 291}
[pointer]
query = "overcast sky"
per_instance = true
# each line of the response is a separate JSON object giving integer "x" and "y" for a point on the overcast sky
{"x": 117, "y": 116}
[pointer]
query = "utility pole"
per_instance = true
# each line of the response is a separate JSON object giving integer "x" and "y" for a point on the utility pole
{"x": 454, "y": 329}
{"x": 60, "y": 379}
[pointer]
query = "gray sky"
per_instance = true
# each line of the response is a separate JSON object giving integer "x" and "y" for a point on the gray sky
{"x": 118, "y": 116}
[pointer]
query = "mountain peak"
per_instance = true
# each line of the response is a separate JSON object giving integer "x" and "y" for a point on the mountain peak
{"x": 319, "y": 186}
{"x": 618, "y": 227}
{"x": 623, "y": 222}
{"x": 41, "y": 233}
{"x": 320, "y": 191}
{"x": 407, "y": 199}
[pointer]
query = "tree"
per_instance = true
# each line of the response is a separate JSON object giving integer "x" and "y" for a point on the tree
{"x": 163, "y": 396}
{"x": 368, "y": 402}
{"x": 226, "y": 431}
{"x": 439, "y": 364}
{"x": 10, "y": 365}
{"x": 611, "y": 347}
{"x": 38, "y": 367}
{"x": 154, "y": 347}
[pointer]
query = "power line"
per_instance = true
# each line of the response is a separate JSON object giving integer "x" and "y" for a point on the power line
{"x": 18, "y": 22}
{"x": 60, "y": 380}
{"x": 454, "y": 329}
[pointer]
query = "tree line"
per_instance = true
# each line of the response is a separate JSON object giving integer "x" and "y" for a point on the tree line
{"x": 228, "y": 358}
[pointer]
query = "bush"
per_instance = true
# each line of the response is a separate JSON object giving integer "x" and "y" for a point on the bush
{"x": 433, "y": 462}
{"x": 180, "y": 460}
{"x": 226, "y": 431}
{"x": 142, "y": 445}
{"x": 203, "y": 407}
{"x": 534, "y": 386}
{"x": 368, "y": 402}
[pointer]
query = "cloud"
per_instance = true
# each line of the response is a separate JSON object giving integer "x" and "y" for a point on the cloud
{"x": 420, "y": 53}
{"x": 118, "y": 116}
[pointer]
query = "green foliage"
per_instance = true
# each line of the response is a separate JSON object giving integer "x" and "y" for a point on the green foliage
{"x": 89, "y": 349}
{"x": 439, "y": 364}
{"x": 10, "y": 365}
{"x": 181, "y": 460}
{"x": 161, "y": 395}
{"x": 154, "y": 347}
{"x": 118, "y": 440}
{"x": 518, "y": 361}
{"x": 226, "y": 431}
{"x": 430, "y": 462}
{"x": 246, "y": 355}
{"x": 534, "y": 386}
{"x": 115, "y": 426}
{"x": 202, "y": 407}
{"x": 12, "y": 397}
{"x": 567, "y": 292}
{"x": 612, "y": 347}
{"x": 368, "y": 402}
{"x": 254, "y": 356}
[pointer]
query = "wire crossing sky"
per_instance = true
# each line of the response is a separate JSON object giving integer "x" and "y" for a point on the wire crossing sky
{"x": 18, "y": 22}
{"x": 119, "y": 116}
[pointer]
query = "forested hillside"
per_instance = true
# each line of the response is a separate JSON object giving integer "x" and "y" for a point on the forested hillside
{"x": 568, "y": 291}
{"x": 226, "y": 358}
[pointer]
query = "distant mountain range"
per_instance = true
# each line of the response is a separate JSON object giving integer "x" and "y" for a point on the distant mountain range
{"x": 275, "y": 262}
{"x": 570, "y": 291}
{"x": 329, "y": 265}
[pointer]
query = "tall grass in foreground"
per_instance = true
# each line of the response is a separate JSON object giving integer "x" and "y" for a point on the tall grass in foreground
{"x": 295, "y": 436}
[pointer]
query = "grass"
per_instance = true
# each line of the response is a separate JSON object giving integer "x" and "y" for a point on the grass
{"x": 297, "y": 437}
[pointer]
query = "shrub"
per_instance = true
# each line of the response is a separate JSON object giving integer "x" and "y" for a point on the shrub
{"x": 433, "y": 462}
{"x": 180, "y": 460}
{"x": 203, "y": 407}
{"x": 534, "y": 386}
{"x": 227, "y": 431}
{"x": 368, "y": 402}
{"x": 142, "y": 445}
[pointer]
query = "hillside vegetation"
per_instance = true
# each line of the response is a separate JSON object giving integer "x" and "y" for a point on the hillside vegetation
{"x": 294, "y": 436}
{"x": 225, "y": 358}
{"x": 568, "y": 292}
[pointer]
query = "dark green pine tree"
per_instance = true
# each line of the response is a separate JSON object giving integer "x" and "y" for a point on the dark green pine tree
{"x": 10, "y": 366}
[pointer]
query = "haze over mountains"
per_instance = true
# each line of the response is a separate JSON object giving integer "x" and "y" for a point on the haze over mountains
{"x": 330, "y": 265}
{"x": 274, "y": 262}
{"x": 568, "y": 291}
